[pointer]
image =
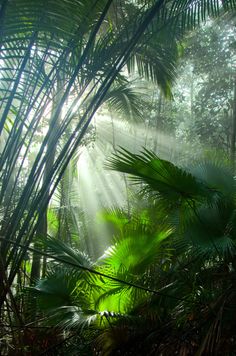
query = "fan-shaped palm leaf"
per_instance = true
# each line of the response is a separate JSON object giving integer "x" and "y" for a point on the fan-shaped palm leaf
{"x": 159, "y": 175}
{"x": 59, "y": 298}
{"x": 64, "y": 252}
{"x": 126, "y": 100}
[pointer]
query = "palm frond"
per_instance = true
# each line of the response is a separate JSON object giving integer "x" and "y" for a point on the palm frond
{"x": 159, "y": 175}
{"x": 63, "y": 251}
{"x": 217, "y": 172}
{"x": 156, "y": 61}
{"x": 209, "y": 232}
{"x": 59, "y": 298}
{"x": 117, "y": 217}
{"x": 125, "y": 100}
{"x": 189, "y": 14}
{"x": 134, "y": 252}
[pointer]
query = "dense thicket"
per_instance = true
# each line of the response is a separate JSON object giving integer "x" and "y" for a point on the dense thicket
{"x": 166, "y": 282}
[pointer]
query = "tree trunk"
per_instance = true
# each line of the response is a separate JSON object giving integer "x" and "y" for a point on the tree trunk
{"x": 124, "y": 176}
{"x": 42, "y": 228}
{"x": 233, "y": 135}
{"x": 159, "y": 109}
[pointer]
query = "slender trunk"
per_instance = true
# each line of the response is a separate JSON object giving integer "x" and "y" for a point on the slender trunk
{"x": 159, "y": 109}
{"x": 233, "y": 134}
{"x": 2, "y": 15}
{"x": 17, "y": 81}
{"x": 148, "y": 125}
{"x": 64, "y": 228}
{"x": 42, "y": 228}
{"x": 124, "y": 176}
{"x": 191, "y": 98}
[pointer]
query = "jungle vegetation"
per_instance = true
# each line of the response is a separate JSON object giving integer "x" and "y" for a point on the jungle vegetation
{"x": 117, "y": 177}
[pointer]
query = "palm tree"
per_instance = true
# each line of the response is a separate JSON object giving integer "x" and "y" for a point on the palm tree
{"x": 32, "y": 65}
{"x": 199, "y": 205}
{"x": 40, "y": 48}
{"x": 169, "y": 273}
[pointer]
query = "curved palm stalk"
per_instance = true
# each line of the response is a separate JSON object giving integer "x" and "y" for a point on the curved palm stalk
{"x": 51, "y": 152}
{"x": 30, "y": 182}
{"x": 36, "y": 175}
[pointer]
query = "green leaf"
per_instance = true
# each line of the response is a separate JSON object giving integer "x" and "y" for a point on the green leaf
{"x": 159, "y": 175}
